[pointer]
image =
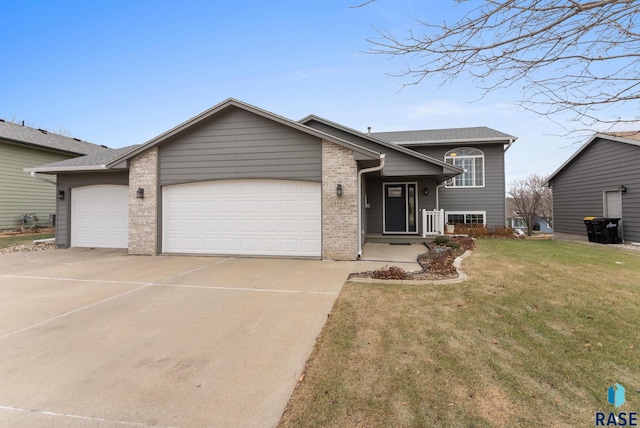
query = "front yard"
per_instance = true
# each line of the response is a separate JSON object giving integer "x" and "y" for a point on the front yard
{"x": 534, "y": 338}
{"x": 11, "y": 239}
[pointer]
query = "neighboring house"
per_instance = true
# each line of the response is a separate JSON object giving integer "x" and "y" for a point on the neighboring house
{"x": 23, "y": 147}
{"x": 539, "y": 224}
{"x": 515, "y": 220}
{"x": 237, "y": 179}
{"x": 601, "y": 179}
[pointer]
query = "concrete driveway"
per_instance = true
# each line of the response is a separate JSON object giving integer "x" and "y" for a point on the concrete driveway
{"x": 96, "y": 338}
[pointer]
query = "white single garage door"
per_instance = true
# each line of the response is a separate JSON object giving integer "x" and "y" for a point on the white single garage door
{"x": 248, "y": 217}
{"x": 100, "y": 216}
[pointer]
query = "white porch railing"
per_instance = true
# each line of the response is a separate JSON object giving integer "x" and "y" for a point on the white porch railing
{"x": 432, "y": 223}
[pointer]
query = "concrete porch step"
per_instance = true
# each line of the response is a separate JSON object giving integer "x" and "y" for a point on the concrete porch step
{"x": 398, "y": 239}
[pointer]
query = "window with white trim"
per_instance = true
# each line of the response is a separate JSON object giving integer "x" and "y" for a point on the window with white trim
{"x": 471, "y": 161}
{"x": 466, "y": 217}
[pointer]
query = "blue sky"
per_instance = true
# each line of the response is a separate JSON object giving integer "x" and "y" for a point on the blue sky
{"x": 121, "y": 72}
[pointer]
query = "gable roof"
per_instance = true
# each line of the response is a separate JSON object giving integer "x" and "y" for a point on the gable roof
{"x": 476, "y": 134}
{"x": 454, "y": 170}
{"x": 627, "y": 137}
{"x": 41, "y": 138}
{"x": 93, "y": 162}
{"x": 231, "y": 102}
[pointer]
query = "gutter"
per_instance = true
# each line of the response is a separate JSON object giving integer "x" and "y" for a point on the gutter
{"x": 57, "y": 169}
{"x": 451, "y": 141}
{"x": 360, "y": 173}
{"x": 511, "y": 141}
{"x": 33, "y": 174}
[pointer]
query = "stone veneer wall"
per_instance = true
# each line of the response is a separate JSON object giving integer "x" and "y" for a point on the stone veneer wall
{"x": 143, "y": 213}
{"x": 339, "y": 214}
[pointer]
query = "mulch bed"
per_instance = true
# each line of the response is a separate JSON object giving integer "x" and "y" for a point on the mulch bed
{"x": 437, "y": 264}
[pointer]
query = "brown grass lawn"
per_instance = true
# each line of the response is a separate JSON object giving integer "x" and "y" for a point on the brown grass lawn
{"x": 534, "y": 338}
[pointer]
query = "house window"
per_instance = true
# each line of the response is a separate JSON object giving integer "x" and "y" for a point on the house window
{"x": 472, "y": 162}
{"x": 473, "y": 217}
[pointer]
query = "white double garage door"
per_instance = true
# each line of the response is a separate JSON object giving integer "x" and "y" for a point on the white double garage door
{"x": 244, "y": 217}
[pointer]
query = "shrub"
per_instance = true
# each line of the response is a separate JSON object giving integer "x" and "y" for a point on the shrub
{"x": 390, "y": 272}
{"x": 453, "y": 245}
{"x": 441, "y": 240}
{"x": 502, "y": 232}
{"x": 482, "y": 231}
{"x": 472, "y": 230}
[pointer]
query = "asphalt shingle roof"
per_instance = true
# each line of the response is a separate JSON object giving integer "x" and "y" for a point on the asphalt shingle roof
{"x": 481, "y": 133}
{"x": 631, "y": 135}
{"x": 36, "y": 137}
{"x": 93, "y": 160}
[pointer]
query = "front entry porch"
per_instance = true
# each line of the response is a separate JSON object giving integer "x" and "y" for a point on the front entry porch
{"x": 430, "y": 225}
{"x": 394, "y": 205}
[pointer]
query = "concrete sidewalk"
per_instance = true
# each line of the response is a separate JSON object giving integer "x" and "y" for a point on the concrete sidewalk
{"x": 93, "y": 338}
{"x": 378, "y": 255}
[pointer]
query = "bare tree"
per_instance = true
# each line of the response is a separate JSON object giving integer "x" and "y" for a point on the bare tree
{"x": 62, "y": 131}
{"x": 577, "y": 56}
{"x": 531, "y": 199}
{"x": 545, "y": 210}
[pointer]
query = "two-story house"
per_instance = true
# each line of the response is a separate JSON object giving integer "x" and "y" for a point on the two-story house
{"x": 237, "y": 179}
{"x": 22, "y": 196}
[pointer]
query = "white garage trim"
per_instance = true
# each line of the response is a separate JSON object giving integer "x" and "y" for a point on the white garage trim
{"x": 100, "y": 216}
{"x": 244, "y": 217}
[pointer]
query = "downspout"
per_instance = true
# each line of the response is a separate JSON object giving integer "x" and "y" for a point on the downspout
{"x": 360, "y": 173}
{"x": 444, "y": 183}
{"x": 33, "y": 174}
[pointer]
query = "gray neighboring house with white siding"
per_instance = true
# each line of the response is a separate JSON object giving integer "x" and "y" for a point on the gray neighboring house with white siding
{"x": 24, "y": 147}
{"x": 239, "y": 180}
{"x": 601, "y": 179}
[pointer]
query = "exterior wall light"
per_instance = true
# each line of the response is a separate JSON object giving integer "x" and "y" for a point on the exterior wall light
{"x": 140, "y": 193}
{"x": 623, "y": 188}
{"x": 425, "y": 191}
{"x": 339, "y": 190}
{"x": 61, "y": 195}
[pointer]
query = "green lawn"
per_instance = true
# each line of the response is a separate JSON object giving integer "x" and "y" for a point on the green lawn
{"x": 10, "y": 241}
{"x": 534, "y": 338}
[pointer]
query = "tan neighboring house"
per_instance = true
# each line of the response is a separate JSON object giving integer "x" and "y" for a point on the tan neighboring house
{"x": 20, "y": 194}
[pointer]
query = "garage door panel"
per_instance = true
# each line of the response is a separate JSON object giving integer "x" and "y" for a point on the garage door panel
{"x": 250, "y": 226}
{"x": 100, "y": 216}
{"x": 309, "y": 227}
{"x": 252, "y": 217}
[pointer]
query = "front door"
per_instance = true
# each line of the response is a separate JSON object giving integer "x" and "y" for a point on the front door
{"x": 400, "y": 208}
{"x": 613, "y": 207}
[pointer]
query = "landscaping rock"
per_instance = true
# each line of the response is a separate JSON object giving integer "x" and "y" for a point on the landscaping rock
{"x": 41, "y": 246}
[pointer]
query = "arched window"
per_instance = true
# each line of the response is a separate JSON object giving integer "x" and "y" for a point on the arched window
{"x": 472, "y": 161}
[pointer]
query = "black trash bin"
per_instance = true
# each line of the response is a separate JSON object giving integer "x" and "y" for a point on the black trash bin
{"x": 591, "y": 234}
{"x": 598, "y": 224}
{"x": 609, "y": 234}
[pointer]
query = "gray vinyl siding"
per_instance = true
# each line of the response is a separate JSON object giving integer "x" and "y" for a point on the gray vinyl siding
{"x": 578, "y": 188}
{"x": 68, "y": 181}
{"x": 490, "y": 198}
{"x": 375, "y": 194}
{"x": 21, "y": 193}
{"x": 396, "y": 164}
{"x": 239, "y": 144}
